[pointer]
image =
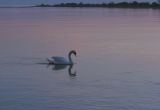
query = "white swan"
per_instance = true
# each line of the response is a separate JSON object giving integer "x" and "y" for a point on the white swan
{"x": 56, "y": 60}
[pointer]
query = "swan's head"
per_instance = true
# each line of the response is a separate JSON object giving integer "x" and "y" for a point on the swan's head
{"x": 73, "y": 52}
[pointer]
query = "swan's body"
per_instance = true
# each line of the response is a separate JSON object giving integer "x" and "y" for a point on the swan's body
{"x": 56, "y": 60}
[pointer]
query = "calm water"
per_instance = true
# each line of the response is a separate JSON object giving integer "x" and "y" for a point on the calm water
{"x": 117, "y": 63}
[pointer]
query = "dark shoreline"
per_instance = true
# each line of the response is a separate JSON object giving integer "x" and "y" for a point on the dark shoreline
{"x": 133, "y": 4}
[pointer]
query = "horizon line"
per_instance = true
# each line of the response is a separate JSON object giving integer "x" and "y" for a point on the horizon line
{"x": 75, "y": 3}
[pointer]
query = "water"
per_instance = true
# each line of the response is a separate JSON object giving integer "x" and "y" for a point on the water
{"x": 117, "y": 63}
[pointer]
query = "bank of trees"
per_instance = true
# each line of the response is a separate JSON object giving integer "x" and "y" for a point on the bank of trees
{"x": 133, "y": 4}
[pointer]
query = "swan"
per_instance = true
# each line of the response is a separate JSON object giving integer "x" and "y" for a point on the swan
{"x": 57, "y": 60}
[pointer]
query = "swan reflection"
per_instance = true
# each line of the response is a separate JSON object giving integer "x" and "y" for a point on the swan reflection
{"x": 58, "y": 67}
{"x": 71, "y": 71}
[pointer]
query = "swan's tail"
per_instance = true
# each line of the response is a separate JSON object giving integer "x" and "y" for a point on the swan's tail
{"x": 49, "y": 61}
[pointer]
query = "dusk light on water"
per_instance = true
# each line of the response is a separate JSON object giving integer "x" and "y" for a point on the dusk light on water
{"x": 65, "y": 58}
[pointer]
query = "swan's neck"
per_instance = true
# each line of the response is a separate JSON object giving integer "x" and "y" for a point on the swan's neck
{"x": 70, "y": 59}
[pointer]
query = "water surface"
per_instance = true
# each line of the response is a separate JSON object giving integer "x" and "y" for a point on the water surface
{"x": 117, "y": 63}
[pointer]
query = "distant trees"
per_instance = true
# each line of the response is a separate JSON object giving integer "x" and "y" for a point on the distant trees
{"x": 133, "y": 4}
{"x": 158, "y": 1}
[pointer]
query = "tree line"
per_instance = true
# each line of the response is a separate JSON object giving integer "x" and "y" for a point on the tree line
{"x": 133, "y": 4}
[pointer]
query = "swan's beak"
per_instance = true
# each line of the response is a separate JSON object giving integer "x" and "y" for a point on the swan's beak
{"x": 75, "y": 53}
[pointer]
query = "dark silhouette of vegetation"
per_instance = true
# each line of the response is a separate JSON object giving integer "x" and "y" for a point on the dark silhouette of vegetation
{"x": 133, "y": 4}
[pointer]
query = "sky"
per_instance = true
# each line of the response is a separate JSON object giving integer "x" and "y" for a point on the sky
{"x": 34, "y": 2}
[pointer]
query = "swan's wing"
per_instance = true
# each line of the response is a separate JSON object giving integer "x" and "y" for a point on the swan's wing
{"x": 59, "y": 60}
